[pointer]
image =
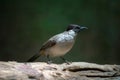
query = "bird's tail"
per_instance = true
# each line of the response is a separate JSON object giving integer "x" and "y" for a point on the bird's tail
{"x": 33, "y": 58}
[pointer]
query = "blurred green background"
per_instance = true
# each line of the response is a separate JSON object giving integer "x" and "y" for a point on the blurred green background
{"x": 27, "y": 24}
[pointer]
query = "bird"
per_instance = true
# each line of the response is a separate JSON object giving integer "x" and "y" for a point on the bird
{"x": 60, "y": 44}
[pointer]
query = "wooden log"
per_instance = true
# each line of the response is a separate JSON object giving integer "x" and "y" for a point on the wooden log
{"x": 43, "y": 71}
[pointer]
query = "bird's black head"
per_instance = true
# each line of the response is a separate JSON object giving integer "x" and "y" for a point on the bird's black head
{"x": 75, "y": 28}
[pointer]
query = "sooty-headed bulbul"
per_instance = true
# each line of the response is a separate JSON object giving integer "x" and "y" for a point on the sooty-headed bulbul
{"x": 60, "y": 44}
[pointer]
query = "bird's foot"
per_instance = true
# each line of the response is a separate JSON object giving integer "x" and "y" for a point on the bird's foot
{"x": 49, "y": 62}
{"x": 65, "y": 60}
{"x": 68, "y": 62}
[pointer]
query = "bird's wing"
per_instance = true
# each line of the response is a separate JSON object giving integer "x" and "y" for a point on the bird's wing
{"x": 48, "y": 44}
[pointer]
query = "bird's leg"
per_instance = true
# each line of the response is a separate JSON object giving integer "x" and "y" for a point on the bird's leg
{"x": 49, "y": 60}
{"x": 65, "y": 60}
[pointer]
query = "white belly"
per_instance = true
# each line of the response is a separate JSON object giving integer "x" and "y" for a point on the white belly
{"x": 60, "y": 49}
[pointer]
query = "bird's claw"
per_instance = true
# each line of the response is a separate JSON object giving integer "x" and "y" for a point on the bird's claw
{"x": 68, "y": 62}
{"x": 49, "y": 62}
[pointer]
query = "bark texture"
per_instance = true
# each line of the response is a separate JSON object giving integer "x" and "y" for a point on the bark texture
{"x": 44, "y": 71}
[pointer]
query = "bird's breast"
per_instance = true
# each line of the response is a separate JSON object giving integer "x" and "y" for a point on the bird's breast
{"x": 64, "y": 43}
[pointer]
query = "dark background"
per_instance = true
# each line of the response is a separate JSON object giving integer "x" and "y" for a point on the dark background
{"x": 26, "y": 24}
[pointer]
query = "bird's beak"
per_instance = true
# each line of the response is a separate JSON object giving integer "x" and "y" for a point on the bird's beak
{"x": 82, "y": 28}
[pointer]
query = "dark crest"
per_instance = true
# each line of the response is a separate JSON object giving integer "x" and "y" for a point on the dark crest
{"x": 71, "y": 26}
